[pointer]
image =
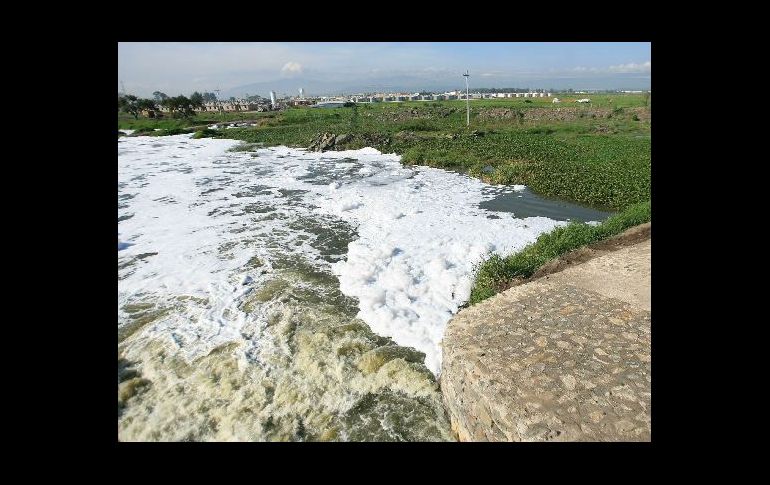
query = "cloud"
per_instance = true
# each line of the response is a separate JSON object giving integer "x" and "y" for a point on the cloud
{"x": 291, "y": 69}
{"x": 184, "y": 67}
{"x": 632, "y": 67}
{"x": 587, "y": 69}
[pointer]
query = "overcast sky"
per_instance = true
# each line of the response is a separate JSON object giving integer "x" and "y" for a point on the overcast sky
{"x": 181, "y": 68}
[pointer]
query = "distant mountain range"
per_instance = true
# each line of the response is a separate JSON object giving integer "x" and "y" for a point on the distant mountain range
{"x": 316, "y": 87}
{"x": 325, "y": 87}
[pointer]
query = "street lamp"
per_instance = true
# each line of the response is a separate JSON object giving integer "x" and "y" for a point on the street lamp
{"x": 467, "y": 103}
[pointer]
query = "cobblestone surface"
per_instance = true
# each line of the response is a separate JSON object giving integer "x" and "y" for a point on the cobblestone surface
{"x": 562, "y": 358}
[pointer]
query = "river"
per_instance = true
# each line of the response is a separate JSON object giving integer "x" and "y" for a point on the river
{"x": 285, "y": 295}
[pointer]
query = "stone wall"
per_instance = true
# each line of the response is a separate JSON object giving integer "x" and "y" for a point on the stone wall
{"x": 562, "y": 358}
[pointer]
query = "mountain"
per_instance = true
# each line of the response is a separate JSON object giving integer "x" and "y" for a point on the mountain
{"x": 437, "y": 83}
{"x": 317, "y": 87}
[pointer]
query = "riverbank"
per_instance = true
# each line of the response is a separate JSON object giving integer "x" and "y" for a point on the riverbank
{"x": 562, "y": 357}
{"x": 597, "y": 155}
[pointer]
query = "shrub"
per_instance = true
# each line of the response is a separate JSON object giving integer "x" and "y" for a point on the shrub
{"x": 206, "y": 133}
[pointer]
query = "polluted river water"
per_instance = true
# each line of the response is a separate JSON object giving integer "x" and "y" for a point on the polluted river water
{"x": 277, "y": 294}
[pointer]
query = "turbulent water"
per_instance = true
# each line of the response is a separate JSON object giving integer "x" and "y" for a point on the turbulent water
{"x": 280, "y": 294}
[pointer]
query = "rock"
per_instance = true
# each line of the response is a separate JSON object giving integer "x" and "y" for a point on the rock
{"x": 326, "y": 143}
{"x": 322, "y": 142}
{"x": 488, "y": 169}
{"x": 340, "y": 139}
{"x": 569, "y": 382}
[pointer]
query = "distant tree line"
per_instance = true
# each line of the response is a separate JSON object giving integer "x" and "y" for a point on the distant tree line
{"x": 179, "y": 106}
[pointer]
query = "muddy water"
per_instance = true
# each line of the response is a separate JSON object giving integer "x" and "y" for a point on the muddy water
{"x": 280, "y": 295}
{"x": 525, "y": 203}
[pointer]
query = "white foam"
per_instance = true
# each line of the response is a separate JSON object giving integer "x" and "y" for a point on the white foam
{"x": 420, "y": 234}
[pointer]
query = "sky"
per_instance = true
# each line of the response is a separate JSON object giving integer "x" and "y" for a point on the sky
{"x": 321, "y": 68}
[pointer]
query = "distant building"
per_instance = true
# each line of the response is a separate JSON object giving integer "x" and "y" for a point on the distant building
{"x": 231, "y": 106}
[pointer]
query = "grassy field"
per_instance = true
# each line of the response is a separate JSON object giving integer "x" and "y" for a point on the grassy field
{"x": 597, "y": 154}
{"x": 127, "y": 122}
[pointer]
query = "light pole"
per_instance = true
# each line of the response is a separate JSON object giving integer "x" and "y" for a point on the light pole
{"x": 467, "y": 103}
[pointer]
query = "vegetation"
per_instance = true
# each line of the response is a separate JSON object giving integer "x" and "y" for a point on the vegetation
{"x": 182, "y": 106}
{"x": 494, "y": 274}
{"x": 602, "y": 161}
{"x": 596, "y": 153}
{"x": 129, "y": 104}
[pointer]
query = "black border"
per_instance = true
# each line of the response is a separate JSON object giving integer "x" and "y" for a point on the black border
{"x": 561, "y": 26}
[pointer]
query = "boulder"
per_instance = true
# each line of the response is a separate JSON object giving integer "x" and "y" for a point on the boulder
{"x": 322, "y": 142}
{"x": 340, "y": 139}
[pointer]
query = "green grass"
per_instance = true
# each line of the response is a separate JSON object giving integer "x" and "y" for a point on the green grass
{"x": 597, "y": 154}
{"x": 603, "y": 161}
{"x": 495, "y": 272}
{"x": 126, "y": 121}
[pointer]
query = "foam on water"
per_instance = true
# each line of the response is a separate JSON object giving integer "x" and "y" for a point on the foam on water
{"x": 264, "y": 254}
{"x": 421, "y": 232}
{"x": 421, "y": 235}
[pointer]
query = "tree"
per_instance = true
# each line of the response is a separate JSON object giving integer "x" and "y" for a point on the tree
{"x": 129, "y": 104}
{"x": 196, "y": 100}
{"x": 180, "y": 106}
{"x": 209, "y": 97}
{"x": 134, "y": 106}
{"x": 147, "y": 105}
{"x": 159, "y": 97}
